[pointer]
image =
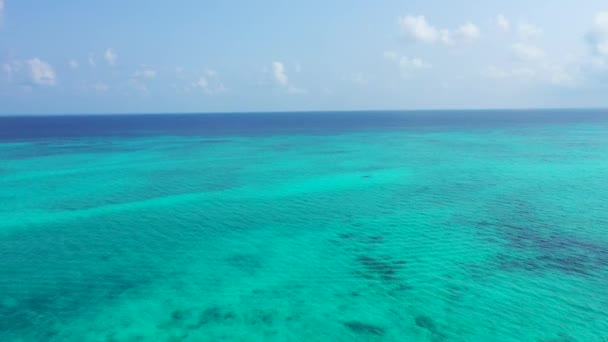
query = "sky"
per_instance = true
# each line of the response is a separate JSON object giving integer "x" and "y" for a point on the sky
{"x": 116, "y": 56}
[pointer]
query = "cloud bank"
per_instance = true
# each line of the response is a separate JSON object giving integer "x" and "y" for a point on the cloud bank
{"x": 418, "y": 29}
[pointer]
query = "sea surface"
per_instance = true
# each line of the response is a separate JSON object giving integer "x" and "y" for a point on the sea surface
{"x": 364, "y": 226}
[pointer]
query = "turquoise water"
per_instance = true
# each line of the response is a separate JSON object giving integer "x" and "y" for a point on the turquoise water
{"x": 434, "y": 232}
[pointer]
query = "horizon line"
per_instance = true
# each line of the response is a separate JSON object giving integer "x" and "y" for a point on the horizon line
{"x": 316, "y": 111}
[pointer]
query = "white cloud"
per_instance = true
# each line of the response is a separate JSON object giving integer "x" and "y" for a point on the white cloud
{"x": 418, "y": 29}
{"x": 413, "y": 63}
{"x": 547, "y": 73}
{"x": 598, "y": 36}
{"x": 146, "y": 73}
{"x": 11, "y": 68}
{"x": 73, "y": 64}
{"x": 295, "y": 90}
{"x": 41, "y": 72}
{"x": 495, "y": 72}
{"x": 101, "y": 87}
{"x": 140, "y": 77}
{"x": 406, "y": 64}
{"x": 207, "y": 82}
{"x": 91, "y": 60}
{"x": 210, "y": 83}
{"x": 359, "y": 79}
{"x": 210, "y": 72}
{"x": 523, "y": 72}
{"x": 503, "y": 23}
{"x": 598, "y": 63}
{"x": 527, "y": 52}
{"x": 1, "y": 12}
{"x": 111, "y": 56}
{"x": 391, "y": 55}
{"x": 504, "y": 73}
{"x": 559, "y": 75}
{"x": 201, "y": 83}
{"x": 528, "y": 31}
{"x": 468, "y": 32}
{"x": 139, "y": 86}
{"x": 279, "y": 74}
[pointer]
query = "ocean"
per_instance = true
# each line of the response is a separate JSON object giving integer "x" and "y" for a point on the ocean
{"x": 337, "y": 226}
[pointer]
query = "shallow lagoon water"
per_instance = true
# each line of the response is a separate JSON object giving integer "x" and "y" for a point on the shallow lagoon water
{"x": 424, "y": 226}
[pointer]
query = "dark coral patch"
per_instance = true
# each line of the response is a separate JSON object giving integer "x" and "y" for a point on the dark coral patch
{"x": 179, "y": 315}
{"x": 547, "y": 248}
{"x": 403, "y": 287}
{"x": 214, "y": 314}
{"x": 376, "y": 239}
{"x": 266, "y": 318}
{"x": 245, "y": 262}
{"x": 347, "y": 235}
{"x": 376, "y": 268}
{"x": 426, "y": 322}
{"x": 261, "y": 317}
{"x": 561, "y": 337}
{"x": 364, "y": 328}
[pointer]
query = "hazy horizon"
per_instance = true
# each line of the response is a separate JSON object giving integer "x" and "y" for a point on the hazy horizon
{"x": 319, "y": 111}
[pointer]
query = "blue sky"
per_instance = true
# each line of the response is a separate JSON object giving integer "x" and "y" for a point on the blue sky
{"x": 207, "y": 56}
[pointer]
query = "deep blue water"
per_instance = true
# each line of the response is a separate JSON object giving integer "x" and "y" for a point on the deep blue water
{"x": 28, "y": 127}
